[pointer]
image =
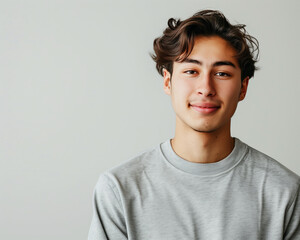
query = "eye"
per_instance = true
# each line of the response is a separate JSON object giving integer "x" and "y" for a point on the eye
{"x": 222, "y": 74}
{"x": 190, "y": 72}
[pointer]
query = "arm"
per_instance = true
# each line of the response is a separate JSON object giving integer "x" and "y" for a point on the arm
{"x": 108, "y": 221}
{"x": 292, "y": 231}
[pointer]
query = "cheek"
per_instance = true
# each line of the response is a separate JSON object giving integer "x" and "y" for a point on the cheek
{"x": 233, "y": 100}
{"x": 234, "y": 96}
{"x": 183, "y": 87}
{"x": 180, "y": 94}
{"x": 230, "y": 92}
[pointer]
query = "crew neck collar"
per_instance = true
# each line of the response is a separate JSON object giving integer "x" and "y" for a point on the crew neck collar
{"x": 205, "y": 169}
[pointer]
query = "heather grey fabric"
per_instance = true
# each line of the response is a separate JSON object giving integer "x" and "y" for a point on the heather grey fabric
{"x": 160, "y": 196}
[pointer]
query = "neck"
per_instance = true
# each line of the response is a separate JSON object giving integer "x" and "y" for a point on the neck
{"x": 203, "y": 147}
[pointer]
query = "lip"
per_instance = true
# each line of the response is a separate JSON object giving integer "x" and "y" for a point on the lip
{"x": 205, "y": 107}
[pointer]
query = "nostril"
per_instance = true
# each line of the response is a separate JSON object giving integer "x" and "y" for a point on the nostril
{"x": 207, "y": 93}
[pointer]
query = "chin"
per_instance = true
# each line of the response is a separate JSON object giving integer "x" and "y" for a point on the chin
{"x": 203, "y": 130}
{"x": 206, "y": 127}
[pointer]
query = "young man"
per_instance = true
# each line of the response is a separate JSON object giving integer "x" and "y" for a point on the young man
{"x": 202, "y": 184}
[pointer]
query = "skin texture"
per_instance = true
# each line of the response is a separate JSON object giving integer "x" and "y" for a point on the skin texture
{"x": 205, "y": 90}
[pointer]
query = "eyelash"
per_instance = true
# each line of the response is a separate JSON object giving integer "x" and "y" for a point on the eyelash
{"x": 219, "y": 74}
{"x": 190, "y": 72}
{"x": 223, "y": 74}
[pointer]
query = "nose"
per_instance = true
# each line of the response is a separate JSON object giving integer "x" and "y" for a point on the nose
{"x": 206, "y": 85}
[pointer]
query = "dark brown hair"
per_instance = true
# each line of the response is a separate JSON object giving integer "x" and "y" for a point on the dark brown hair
{"x": 177, "y": 40}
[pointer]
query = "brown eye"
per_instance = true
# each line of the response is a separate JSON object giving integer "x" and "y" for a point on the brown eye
{"x": 190, "y": 72}
{"x": 222, "y": 74}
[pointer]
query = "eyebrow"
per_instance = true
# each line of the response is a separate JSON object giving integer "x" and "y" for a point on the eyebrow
{"x": 216, "y": 64}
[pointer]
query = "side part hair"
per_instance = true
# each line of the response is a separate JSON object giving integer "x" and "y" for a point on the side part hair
{"x": 177, "y": 41}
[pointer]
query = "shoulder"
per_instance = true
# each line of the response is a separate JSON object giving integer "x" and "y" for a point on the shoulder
{"x": 132, "y": 170}
{"x": 273, "y": 167}
{"x": 275, "y": 175}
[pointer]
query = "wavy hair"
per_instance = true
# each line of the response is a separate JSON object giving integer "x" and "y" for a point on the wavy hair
{"x": 177, "y": 41}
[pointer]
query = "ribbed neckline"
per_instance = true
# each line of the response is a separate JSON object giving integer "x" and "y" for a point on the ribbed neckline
{"x": 205, "y": 169}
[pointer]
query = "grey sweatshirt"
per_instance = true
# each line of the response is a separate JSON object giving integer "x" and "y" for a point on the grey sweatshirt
{"x": 160, "y": 196}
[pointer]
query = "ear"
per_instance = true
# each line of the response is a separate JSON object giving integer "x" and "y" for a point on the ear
{"x": 244, "y": 88}
{"x": 167, "y": 81}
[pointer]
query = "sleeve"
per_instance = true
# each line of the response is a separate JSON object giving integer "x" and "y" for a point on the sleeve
{"x": 292, "y": 231}
{"x": 108, "y": 222}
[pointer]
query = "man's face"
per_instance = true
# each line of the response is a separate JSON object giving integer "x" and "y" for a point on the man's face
{"x": 206, "y": 88}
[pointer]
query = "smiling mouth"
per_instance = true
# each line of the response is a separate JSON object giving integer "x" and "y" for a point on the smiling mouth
{"x": 206, "y": 108}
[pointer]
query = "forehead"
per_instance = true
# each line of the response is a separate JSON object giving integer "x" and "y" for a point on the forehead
{"x": 211, "y": 49}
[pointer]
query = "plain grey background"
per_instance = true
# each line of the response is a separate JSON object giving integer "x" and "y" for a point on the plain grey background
{"x": 79, "y": 94}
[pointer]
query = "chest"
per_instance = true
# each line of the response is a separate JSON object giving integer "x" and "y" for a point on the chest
{"x": 219, "y": 209}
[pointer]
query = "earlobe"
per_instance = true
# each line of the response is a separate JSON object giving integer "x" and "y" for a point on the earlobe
{"x": 167, "y": 81}
{"x": 244, "y": 88}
